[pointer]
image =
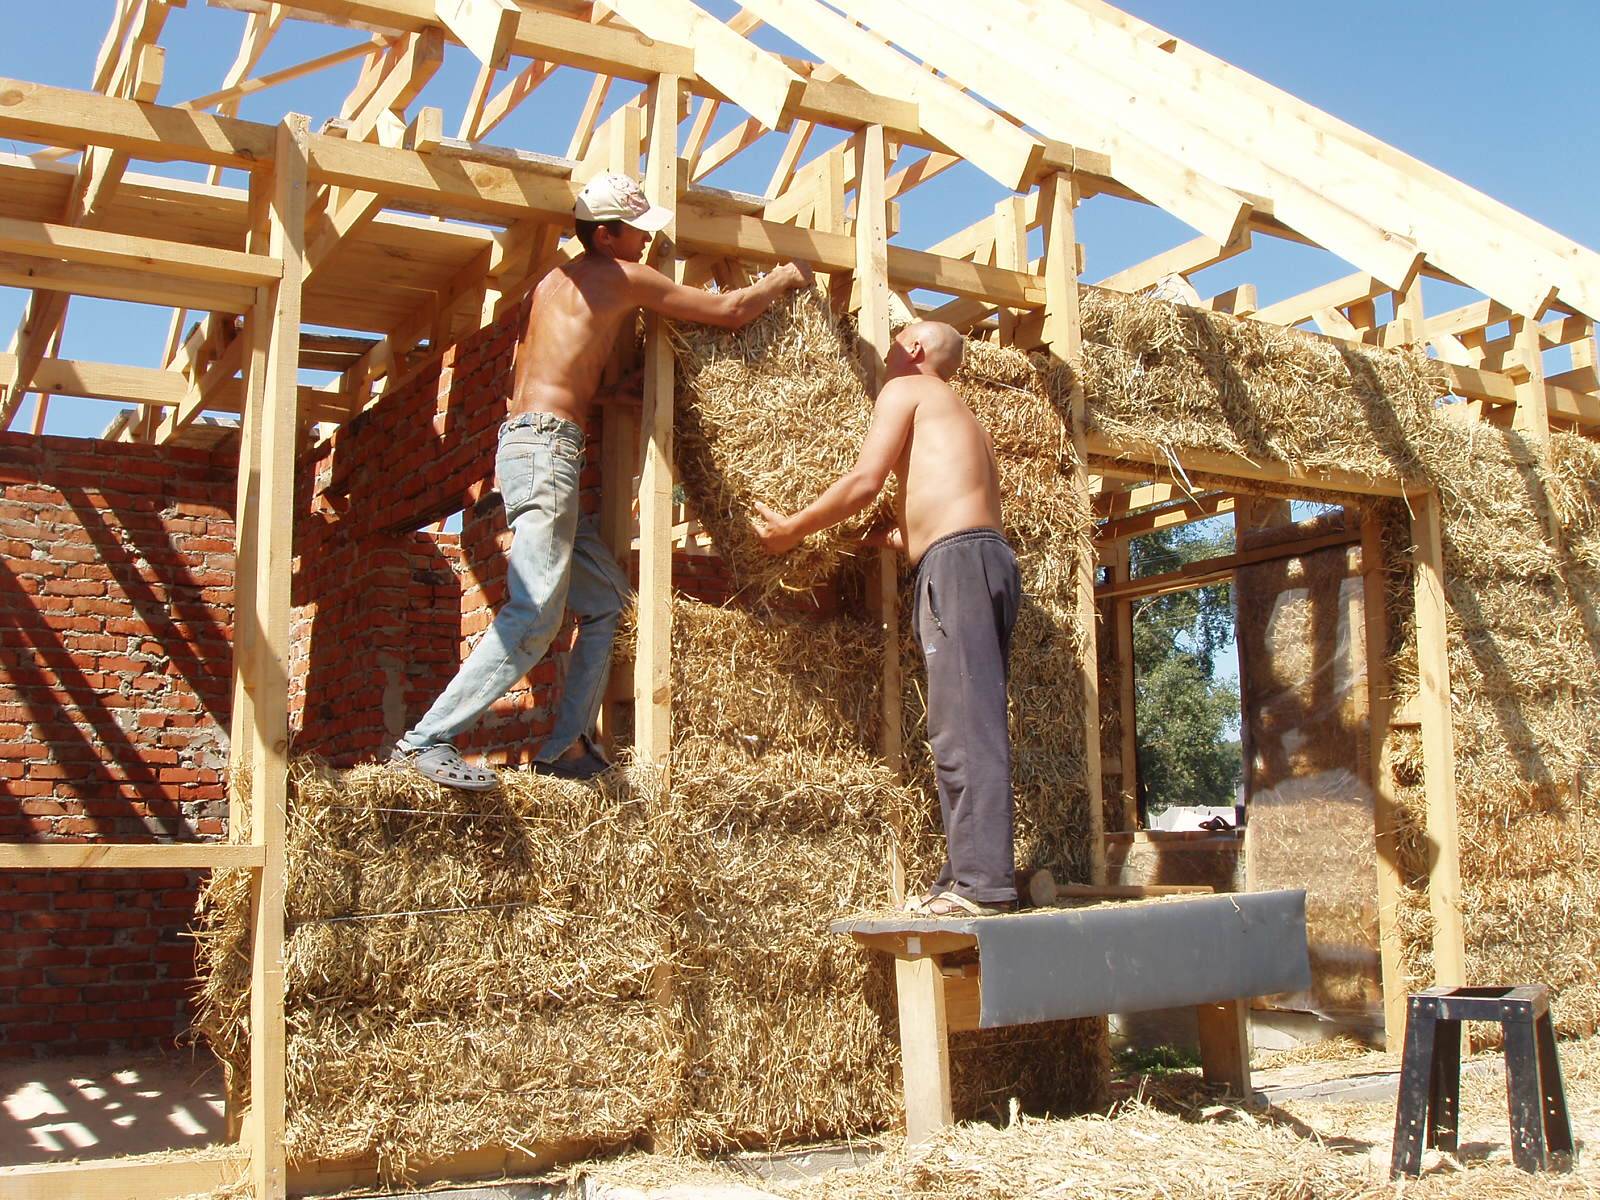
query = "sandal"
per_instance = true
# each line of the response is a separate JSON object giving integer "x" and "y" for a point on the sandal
{"x": 443, "y": 764}
{"x": 953, "y": 904}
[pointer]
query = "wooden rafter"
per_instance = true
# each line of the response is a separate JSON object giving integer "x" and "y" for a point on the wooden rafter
{"x": 1497, "y": 235}
{"x": 1002, "y": 151}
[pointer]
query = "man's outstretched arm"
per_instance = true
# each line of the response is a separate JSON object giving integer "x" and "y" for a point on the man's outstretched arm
{"x": 857, "y": 487}
{"x": 650, "y": 289}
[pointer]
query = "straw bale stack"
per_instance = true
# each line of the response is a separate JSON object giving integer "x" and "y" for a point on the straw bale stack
{"x": 462, "y": 970}
{"x": 771, "y": 412}
{"x": 1521, "y": 535}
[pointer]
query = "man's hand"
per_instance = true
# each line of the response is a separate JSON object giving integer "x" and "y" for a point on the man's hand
{"x": 773, "y": 531}
{"x": 801, "y": 273}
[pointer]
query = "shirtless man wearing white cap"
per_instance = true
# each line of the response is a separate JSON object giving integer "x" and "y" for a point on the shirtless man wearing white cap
{"x": 557, "y": 560}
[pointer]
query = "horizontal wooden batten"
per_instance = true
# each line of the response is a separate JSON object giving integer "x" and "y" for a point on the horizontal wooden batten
{"x": 179, "y": 260}
{"x": 95, "y": 856}
{"x": 1117, "y": 459}
{"x": 1215, "y": 570}
{"x": 120, "y": 283}
{"x": 148, "y": 1179}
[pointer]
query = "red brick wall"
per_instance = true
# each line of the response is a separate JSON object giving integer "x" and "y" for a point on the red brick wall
{"x": 116, "y": 599}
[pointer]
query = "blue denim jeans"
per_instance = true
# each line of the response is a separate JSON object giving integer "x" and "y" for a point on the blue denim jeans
{"x": 556, "y": 562}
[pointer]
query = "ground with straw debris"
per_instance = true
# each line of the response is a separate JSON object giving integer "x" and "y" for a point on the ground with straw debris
{"x": 1167, "y": 1139}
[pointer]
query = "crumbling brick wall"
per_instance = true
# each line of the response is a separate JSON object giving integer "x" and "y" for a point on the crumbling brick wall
{"x": 116, "y": 605}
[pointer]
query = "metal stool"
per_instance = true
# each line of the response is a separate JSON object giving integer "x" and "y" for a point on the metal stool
{"x": 1430, "y": 1075}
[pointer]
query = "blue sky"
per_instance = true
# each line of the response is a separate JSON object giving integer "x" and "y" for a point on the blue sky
{"x": 1507, "y": 104}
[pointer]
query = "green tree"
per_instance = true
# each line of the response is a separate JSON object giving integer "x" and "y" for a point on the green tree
{"x": 1185, "y": 714}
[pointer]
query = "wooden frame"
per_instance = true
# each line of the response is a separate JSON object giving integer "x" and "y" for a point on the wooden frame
{"x": 1228, "y": 184}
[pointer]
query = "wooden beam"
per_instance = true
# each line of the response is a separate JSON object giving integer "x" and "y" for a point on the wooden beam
{"x": 1127, "y": 690}
{"x": 1438, "y": 742}
{"x": 1532, "y": 415}
{"x": 232, "y": 93}
{"x": 155, "y": 856}
{"x": 485, "y": 27}
{"x": 504, "y": 102}
{"x": 994, "y": 61}
{"x": 741, "y": 137}
{"x": 1199, "y": 509}
{"x": 924, "y": 1045}
{"x": 64, "y": 117}
{"x": 277, "y": 339}
{"x": 1183, "y": 260}
{"x": 653, "y": 666}
{"x": 738, "y": 69}
{"x": 983, "y": 137}
{"x": 1205, "y": 571}
{"x": 1338, "y": 294}
{"x": 147, "y": 1179}
{"x": 1210, "y": 96}
{"x": 114, "y": 283}
{"x": 1386, "y": 826}
{"x": 179, "y": 260}
{"x": 539, "y": 34}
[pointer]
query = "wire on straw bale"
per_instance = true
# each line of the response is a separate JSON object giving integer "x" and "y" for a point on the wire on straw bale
{"x": 774, "y": 412}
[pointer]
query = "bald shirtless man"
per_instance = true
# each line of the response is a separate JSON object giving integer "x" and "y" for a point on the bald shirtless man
{"x": 557, "y": 559}
{"x": 967, "y": 595}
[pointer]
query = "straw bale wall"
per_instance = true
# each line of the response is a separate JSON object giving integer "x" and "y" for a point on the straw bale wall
{"x": 683, "y": 988}
{"x": 1521, "y": 548}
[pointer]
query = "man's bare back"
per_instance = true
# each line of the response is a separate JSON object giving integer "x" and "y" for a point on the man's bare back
{"x": 922, "y": 432}
{"x": 579, "y": 308}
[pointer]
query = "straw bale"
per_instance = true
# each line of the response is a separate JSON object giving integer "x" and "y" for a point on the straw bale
{"x": 1161, "y": 375}
{"x": 774, "y": 412}
{"x": 761, "y": 680}
{"x": 790, "y": 1028}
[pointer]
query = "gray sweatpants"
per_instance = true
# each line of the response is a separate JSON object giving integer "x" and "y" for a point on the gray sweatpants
{"x": 967, "y": 595}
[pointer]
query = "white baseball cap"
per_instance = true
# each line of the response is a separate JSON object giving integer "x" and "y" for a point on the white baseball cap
{"x": 613, "y": 197}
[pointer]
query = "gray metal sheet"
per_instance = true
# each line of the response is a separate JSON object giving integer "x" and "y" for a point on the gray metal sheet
{"x": 1061, "y": 963}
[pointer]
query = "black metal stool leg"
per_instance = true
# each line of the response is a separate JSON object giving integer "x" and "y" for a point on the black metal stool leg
{"x": 1416, "y": 1079}
{"x": 1525, "y": 1096}
{"x": 1444, "y": 1086}
{"x": 1557, "y": 1126}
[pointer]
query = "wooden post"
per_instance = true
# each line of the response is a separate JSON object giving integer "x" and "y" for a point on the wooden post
{"x": 924, "y": 1045}
{"x": 652, "y": 670}
{"x": 1532, "y": 415}
{"x": 1063, "y": 333}
{"x": 1438, "y": 744}
{"x": 277, "y": 358}
{"x": 1011, "y": 252}
{"x": 872, "y": 324}
{"x": 1225, "y": 1044}
{"x": 1385, "y": 808}
{"x": 1127, "y": 689}
{"x": 620, "y": 439}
